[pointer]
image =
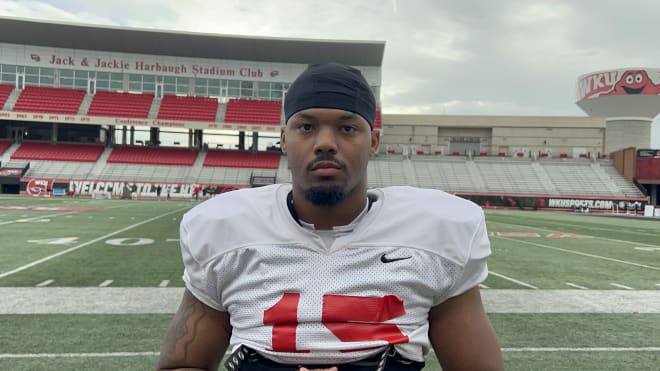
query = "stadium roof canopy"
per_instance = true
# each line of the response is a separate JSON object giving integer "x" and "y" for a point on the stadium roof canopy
{"x": 188, "y": 44}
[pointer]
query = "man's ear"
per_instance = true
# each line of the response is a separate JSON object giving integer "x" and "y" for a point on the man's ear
{"x": 283, "y": 139}
{"x": 375, "y": 142}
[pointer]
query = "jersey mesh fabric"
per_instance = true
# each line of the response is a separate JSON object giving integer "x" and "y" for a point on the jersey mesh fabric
{"x": 245, "y": 255}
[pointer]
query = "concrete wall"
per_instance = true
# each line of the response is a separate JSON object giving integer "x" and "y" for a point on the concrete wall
{"x": 494, "y": 134}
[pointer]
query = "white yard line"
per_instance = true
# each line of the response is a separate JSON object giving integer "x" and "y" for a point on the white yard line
{"x": 166, "y": 300}
{"x": 24, "y": 220}
{"x": 621, "y": 286}
{"x": 45, "y": 283}
{"x": 68, "y": 214}
{"x": 63, "y": 252}
{"x": 581, "y": 253}
{"x": 164, "y": 283}
{"x": 576, "y": 286}
{"x": 521, "y": 283}
{"x": 155, "y": 354}
{"x": 594, "y": 349}
{"x": 106, "y": 283}
{"x": 482, "y": 286}
{"x": 78, "y": 355}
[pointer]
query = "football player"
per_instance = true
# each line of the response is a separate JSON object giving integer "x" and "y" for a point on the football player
{"x": 324, "y": 273}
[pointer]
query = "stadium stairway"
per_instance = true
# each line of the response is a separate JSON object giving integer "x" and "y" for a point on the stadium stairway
{"x": 6, "y": 156}
{"x": 220, "y": 115}
{"x": 283, "y": 173}
{"x": 97, "y": 170}
{"x": 155, "y": 107}
{"x": 545, "y": 179}
{"x": 84, "y": 105}
{"x": 409, "y": 173}
{"x": 607, "y": 181}
{"x": 475, "y": 175}
{"x": 196, "y": 168}
{"x": 11, "y": 100}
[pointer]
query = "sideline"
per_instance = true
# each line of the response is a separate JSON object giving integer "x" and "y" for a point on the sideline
{"x": 165, "y": 300}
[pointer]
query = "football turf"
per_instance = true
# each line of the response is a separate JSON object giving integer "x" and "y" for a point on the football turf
{"x": 91, "y": 243}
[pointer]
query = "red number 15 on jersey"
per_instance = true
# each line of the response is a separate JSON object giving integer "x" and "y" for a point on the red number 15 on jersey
{"x": 349, "y": 318}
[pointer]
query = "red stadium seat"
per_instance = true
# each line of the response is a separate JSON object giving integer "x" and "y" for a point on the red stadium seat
{"x": 58, "y": 152}
{"x": 5, "y": 91}
{"x": 188, "y": 108}
{"x": 49, "y": 100}
{"x": 258, "y": 160}
{"x": 153, "y": 155}
{"x": 252, "y": 111}
{"x": 4, "y": 144}
{"x": 106, "y": 103}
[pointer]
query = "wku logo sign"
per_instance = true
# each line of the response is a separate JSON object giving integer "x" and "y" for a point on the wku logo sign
{"x": 38, "y": 186}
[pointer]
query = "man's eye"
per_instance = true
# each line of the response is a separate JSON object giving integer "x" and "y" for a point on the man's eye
{"x": 347, "y": 129}
{"x": 305, "y": 127}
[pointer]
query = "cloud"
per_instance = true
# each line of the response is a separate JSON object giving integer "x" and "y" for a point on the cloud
{"x": 441, "y": 56}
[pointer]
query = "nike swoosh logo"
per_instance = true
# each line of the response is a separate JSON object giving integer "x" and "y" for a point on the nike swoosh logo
{"x": 385, "y": 259}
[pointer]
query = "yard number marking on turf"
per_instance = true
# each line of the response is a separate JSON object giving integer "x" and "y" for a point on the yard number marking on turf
{"x": 74, "y": 248}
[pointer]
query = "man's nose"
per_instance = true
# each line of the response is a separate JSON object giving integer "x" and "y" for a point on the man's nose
{"x": 325, "y": 141}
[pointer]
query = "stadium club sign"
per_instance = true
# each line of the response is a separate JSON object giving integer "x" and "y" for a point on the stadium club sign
{"x": 117, "y": 189}
{"x": 91, "y": 60}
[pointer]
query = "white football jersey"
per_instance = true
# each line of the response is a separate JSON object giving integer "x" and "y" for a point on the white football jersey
{"x": 296, "y": 300}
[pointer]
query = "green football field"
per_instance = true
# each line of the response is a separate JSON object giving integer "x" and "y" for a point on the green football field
{"x": 51, "y": 243}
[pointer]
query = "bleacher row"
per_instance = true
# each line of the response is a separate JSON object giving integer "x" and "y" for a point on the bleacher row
{"x": 135, "y": 105}
{"x": 505, "y": 175}
{"x": 453, "y": 174}
{"x": 140, "y": 155}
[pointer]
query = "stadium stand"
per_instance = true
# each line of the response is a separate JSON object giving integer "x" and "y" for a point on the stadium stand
{"x": 152, "y": 155}
{"x": 106, "y": 103}
{"x": 256, "y": 160}
{"x": 58, "y": 152}
{"x": 386, "y": 172}
{"x": 253, "y": 111}
{"x": 231, "y": 175}
{"x": 4, "y": 144}
{"x": 59, "y": 169}
{"x": 188, "y": 108}
{"x": 139, "y": 172}
{"x": 49, "y": 100}
{"x": 5, "y": 91}
{"x": 502, "y": 175}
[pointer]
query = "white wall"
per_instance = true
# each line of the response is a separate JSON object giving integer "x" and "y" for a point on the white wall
{"x": 655, "y": 133}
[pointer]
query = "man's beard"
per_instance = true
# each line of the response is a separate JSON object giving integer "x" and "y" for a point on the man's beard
{"x": 325, "y": 196}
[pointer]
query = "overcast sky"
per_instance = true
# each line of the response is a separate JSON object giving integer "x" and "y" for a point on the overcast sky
{"x": 488, "y": 57}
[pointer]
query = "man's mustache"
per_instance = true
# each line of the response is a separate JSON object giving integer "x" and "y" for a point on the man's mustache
{"x": 325, "y": 157}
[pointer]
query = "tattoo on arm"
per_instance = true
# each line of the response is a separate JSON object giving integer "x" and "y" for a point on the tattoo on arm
{"x": 184, "y": 331}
